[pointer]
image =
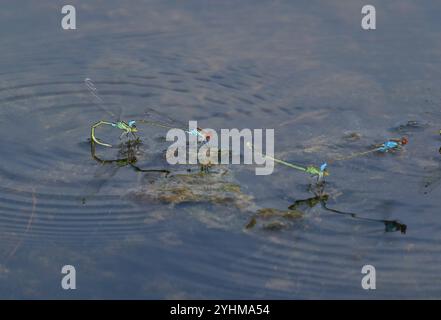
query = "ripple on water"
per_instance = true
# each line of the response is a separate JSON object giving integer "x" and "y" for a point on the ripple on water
{"x": 44, "y": 167}
{"x": 57, "y": 110}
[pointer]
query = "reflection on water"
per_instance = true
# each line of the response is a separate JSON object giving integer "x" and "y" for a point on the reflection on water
{"x": 126, "y": 158}
{"x": 135, "y": 226}
{"x": 298, "y": 208}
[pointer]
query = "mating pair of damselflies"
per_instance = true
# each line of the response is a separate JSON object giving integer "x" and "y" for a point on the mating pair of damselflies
{"x": 129, "y": 128}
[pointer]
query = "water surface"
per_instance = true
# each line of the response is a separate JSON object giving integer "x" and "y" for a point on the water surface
{"x": 304, "y": 68}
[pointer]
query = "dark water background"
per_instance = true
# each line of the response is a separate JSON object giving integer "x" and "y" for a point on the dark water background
{"x": 304, "y": 68}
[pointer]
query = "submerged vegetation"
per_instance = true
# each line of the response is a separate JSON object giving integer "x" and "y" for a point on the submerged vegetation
{"x": 215, "y": 185}
{"x": 218, "y": 188}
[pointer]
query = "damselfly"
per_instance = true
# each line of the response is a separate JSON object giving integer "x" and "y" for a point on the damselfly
{"x": 155, "y": 118}
{"x": 129, "y": 127}
{"x": 312, "y": 170}
{"x": 391, "y": 145}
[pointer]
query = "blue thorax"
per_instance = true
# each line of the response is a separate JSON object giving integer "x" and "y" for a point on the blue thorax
{"x": 388, "y": 145}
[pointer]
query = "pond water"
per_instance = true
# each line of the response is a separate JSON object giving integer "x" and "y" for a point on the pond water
{"x": 303, "y": 68}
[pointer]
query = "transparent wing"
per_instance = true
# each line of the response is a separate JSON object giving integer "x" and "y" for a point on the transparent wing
{"x": 100, "y": 103}
{"x": 162, "y": 119}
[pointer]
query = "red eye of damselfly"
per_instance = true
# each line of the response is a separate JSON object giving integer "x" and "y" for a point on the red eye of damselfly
{"x": 404, "y": 141}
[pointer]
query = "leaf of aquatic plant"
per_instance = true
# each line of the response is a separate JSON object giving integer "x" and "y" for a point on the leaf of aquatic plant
{"x": 273, "y": 219}
{"x": 214, "y": 188}
{"x": 251, "y": 223}
{"x": 275, "y": 226}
